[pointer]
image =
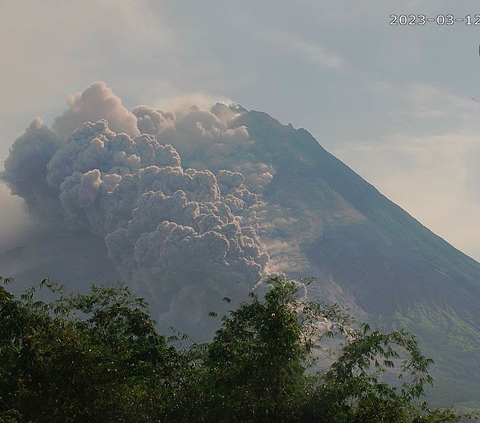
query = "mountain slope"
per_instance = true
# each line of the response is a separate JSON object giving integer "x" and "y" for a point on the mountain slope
{"x": 398, "y": 272}
{"x": 155, "y": 198}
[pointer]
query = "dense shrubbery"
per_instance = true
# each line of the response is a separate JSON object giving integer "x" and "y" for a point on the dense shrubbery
{"x": 98, "y": 358}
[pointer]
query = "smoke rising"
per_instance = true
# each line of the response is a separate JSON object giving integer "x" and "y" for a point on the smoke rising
{"x": 206, "y": 139}
{"x": 26, "y": 167}
{"x": 174, "y": 195}
{"x": 96, "y": 102}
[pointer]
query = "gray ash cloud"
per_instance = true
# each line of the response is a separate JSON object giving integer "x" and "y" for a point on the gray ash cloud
{"x": 185, "y": 234}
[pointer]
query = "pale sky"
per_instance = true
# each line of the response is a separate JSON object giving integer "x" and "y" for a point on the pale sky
{"x": 398, "y": 104}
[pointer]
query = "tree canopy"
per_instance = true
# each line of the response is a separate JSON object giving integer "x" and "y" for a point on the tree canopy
{"x": 98, "y": 357}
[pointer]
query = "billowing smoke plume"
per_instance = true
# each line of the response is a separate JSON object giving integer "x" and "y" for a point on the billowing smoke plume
{"x": 186, "y": 236}
{"x": 96, "y": 102}
{"x": 205, "y": 139}
{"x": 26, "y": 168}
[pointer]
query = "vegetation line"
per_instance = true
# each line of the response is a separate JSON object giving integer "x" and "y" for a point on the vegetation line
{"x": 98, "y": 358}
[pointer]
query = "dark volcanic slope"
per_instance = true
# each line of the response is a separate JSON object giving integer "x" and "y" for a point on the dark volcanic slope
{"x": 320, "y": 219}
{"x": 398, "y": 271}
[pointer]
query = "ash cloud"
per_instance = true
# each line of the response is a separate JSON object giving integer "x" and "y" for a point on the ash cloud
{"x": 174, "y": 196}
{"x": 96, "y": 102}
{"x": 26, "y": 168}
{"x": 207, "y": 139}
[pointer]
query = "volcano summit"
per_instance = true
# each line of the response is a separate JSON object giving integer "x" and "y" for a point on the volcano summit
{"x": 200, "y": 203}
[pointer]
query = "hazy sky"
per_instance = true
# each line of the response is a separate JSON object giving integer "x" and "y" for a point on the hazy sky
{"x": 398, "y": 104}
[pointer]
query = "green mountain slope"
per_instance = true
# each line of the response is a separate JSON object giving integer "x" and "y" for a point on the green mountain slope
{"x": 397, "y": 271}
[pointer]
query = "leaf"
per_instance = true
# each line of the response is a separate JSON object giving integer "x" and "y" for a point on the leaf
{"x": 389, "y": 364}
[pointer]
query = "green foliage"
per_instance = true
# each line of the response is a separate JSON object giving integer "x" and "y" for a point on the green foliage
{"x": 258, "y": 359}
{"x": 81, "y": 358}
{"x": 98, "y": 358}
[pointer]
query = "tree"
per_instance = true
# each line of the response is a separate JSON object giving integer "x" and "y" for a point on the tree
{"x": 82, "y": 358}
{"x": 259, "y": 358}
{"x": 99, "y": 358}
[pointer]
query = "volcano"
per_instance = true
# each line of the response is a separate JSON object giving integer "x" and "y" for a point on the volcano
{"x": 192, "y": 205}
{"x": 368, "y": 253}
